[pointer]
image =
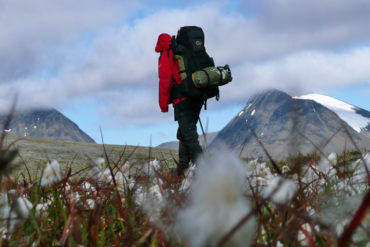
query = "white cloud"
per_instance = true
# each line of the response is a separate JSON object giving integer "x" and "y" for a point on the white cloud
{"x": 32, "y": 32}
{"x": 281, "y": 44}
{"x": 132, "y": 107}
{"x": 306, "y": 71}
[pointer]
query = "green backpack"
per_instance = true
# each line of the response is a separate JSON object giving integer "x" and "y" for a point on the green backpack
{"x": 200, "y": 78}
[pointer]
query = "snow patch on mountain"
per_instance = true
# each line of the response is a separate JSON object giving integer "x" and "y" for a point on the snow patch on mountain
{"x": 345, "y": 111}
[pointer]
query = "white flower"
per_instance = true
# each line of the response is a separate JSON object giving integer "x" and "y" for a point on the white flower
{"x": 3, "y": 199}
{"x": 88, "y": 187}
{"x": 326, "y": 165}
{"x": 251, "y": 166}
{"x": 263, "y": 171}
{"x": 99, "y": 162}
{"x": 359, "y": 178}
{"x": 153, "y": 193}
{"x": 76, "y": 196}
{"x": 151, "y": 201}
{"x": 311, "y": 211}
{"x": 156, "y": 193}
{"x": 341, "y": 225}
{"x": 280, "y": 190}
{"x": 90, "y": 203}
{"x": 302, "y": 238}
{"x": 151, "y": 168}
{"x": 285, "y": 169}
{"x": 257, "y": 173}
{"x": 106, "y": 175}
{"x": 217, "y": 204}
{"x": 13, "y": 215}
{"x": 22, "y": 206}
{"x": 9, "y": 220}
{"x": 155, "y": 164}
{"x": 122, "y": 181}
{"x": 41, "y": 208}
{"x": 189, "y": 177}
{"x": 67, "y": 187}
{"x": 96, "y": 169}
{"x": 51, "y": 174}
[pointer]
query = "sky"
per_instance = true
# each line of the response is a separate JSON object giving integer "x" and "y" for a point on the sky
{"x": 94, "y": 60}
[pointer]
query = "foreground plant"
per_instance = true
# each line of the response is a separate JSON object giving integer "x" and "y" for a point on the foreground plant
{"x": 51, "y": 174}
{"x": 222, "y": 202}
{"x": 13, "y": 211}
{"x": 217, "y": 203}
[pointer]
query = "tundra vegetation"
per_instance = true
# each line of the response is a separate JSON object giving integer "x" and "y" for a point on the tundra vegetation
{"x": 134, "y": 199}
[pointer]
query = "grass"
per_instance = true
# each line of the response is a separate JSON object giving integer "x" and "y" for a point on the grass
{"x": 35, "y": 153}
{"x": 62, "y": 213}
{"x": 133, "y": 201}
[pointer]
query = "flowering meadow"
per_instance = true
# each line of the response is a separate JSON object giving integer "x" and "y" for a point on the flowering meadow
{"x": 313, "y": 200}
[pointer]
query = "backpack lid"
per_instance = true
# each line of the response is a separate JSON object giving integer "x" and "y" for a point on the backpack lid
{"x": 191, "y": 37}
{"x": 163, "y": 43}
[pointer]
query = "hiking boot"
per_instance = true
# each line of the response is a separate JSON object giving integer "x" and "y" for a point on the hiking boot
{"x": 180, "y": 172}
{"x": 177, "y": 172}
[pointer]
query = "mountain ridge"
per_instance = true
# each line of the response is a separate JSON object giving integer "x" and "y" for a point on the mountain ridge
{"x": 46, "y": 123}
{"x": 356, "y": 117}
{"x": 286, "y": 126}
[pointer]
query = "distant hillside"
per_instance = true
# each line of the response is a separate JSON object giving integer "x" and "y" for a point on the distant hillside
{"x": 287, "y": 125}
{"x": 175, "y": 144}
{"x": 47, "y": 124}
{"x": 36, "y": 152}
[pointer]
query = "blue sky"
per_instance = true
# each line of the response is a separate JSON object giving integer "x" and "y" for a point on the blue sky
{"x": 99, "y": 68}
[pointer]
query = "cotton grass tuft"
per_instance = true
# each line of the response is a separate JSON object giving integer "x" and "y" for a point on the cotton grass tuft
{"x": 13, "y": 213}
{"x": 280, "y": 190}
{"x": 217, "y": 203}
{"x": 51, "y": 174}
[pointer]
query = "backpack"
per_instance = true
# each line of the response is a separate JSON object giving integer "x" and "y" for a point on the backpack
{"x": 200, "y": 78}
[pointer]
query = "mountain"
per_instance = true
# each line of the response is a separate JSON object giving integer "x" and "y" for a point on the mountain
{"x": 357, "y": 118}
{"x": 44, "y": 124}
{"x": 175, "y": 144}
{"x": 289, "y": 125}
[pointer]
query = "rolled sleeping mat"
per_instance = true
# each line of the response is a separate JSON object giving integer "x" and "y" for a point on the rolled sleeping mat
{"x": 212, "y": 76}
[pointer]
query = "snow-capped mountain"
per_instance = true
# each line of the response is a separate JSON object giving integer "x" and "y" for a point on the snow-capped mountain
{"x": 289, "y": 125}
{"x": 357, "y": 118}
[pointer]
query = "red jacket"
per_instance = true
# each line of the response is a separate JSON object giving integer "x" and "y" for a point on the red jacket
{"x": 168, "y": 71}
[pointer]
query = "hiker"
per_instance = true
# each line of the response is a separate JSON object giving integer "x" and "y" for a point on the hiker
{"x": 187, "y": 78}
{"x": 186, "y": 109}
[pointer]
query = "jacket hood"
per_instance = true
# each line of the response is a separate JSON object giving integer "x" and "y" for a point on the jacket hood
{"x": 163, "y": 43}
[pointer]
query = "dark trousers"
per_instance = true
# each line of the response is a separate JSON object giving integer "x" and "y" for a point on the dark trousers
{"x": 187, "y": 115}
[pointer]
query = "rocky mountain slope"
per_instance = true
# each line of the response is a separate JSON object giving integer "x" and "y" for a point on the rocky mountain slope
{"x": 357, "y": 118}
{"x": 288, "y": 125}
{"x": 44, "y": 124}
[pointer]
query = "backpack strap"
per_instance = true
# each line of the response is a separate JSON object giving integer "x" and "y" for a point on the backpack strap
{"x": 220, "y": 75}
{"x": 173, "y": 46}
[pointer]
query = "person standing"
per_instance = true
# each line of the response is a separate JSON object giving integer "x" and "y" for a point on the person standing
{"x": 186, "y": 109}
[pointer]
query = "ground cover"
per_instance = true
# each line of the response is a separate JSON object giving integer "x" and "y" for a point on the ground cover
{"x": 130, "y": 197}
